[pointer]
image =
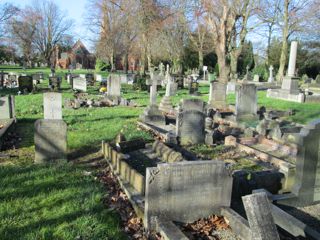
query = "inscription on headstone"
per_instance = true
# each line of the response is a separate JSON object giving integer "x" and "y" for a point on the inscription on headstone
{"x": 186, "y": 191}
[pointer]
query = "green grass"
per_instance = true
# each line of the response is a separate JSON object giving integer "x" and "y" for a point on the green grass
{"x": 53, "y": 202}
{"x": 59, "y": 202}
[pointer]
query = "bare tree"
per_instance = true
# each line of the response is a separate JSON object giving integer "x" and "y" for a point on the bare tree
{"x": 291, "y": 11}
{"x": 268, "y": 13}
{"x": 244, "y": 10}
{"x": 196, "y": 28}
{"x": 221, "y": 18}
{"x": 6, "y": 12}
{"x": 51, "y": 27}
{"x": 23, "y": 30}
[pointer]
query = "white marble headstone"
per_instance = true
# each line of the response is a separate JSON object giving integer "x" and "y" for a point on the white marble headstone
{"x": 52, "y": 103}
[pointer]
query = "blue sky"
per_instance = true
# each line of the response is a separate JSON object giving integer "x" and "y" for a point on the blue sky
{"x": 75, "y": 9}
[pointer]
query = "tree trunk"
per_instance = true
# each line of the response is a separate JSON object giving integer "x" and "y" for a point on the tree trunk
{"x": 269, "y": 44}
{"x": 233, "y": 63}
{"x": 200, "y": 52}
{"x": 285, "y": 34}
{"x": 126, "y": 62}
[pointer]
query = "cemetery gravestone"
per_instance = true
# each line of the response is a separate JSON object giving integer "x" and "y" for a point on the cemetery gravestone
{"x": 258, "y": 211}
{"x": 90, "y": 79}
{"x": 50, "y": 136}
{"x": 50, "y": 140}
{"x": 25, "y": 83}
{"x": 190, "y": 125}
{"x": 186, "y": 191}
{"x": 246, "y": 101}
{"x": 79, "y": 83}
{"x": 217, "y": 95}
{"x": 271, "y": 79}
{"x": 54, "y": 83}
{"x": 114, "y": 86}
{"x": 256, "y": 78}
{"x": 307, "y": 180}
{"x": 52, "y": 105}
{"x": 7, "y": 107}
{"x": 152, "y": 112}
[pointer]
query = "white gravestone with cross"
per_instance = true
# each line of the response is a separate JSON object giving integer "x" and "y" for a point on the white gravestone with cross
{"x": 270, "y": 79}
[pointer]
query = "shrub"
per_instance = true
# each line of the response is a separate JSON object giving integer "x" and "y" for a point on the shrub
{"x": 101, "y": 65}
{"x": 262, "y": 71}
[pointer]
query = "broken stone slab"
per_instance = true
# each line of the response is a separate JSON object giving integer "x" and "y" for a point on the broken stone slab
{"x": 166, "y": 153}
{"x": 261, "y": 222}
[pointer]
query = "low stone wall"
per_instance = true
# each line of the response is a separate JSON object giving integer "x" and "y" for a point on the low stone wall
{"x": 166, "y": 153}
{"x": 121, "y": 167}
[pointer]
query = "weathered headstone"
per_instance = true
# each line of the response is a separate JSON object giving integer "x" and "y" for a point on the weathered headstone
{"x": 307, "y": 180}
{"x": 25, "y": 83}
{"x": 256, "y": 78}
{"x": 259, "y": 214}
{"x": 52, "y": 103}
{"x": 80, "y": 84}
{"x": 7, "y": 107}
{"x": 152, "y": 112}
{"x": 186, "y": 191}
{"x": 114, "y": 85}
{"x": 54, "y": 83}
{"x": 217, "y": 95}
{"x": 50, "y": 135}
{"x": 271, "y": 79}
{"x": 165, "y": 104}
{"x": 50, "y": 140}
{"x": 190, "y": 124}
{"x": 246, "y": 101}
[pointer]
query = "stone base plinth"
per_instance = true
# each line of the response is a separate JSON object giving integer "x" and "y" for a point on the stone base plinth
{"x": 285, "y": 95}
{"x": 166, "y": 105}
{"x": 152, "y": 114}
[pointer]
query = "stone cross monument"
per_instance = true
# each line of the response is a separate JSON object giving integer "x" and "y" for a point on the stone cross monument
{"x": 152, "y": 112}
{"x": 270, "y": 79}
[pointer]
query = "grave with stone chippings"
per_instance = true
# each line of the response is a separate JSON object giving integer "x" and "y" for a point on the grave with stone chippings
{"x": 50, "y": 135}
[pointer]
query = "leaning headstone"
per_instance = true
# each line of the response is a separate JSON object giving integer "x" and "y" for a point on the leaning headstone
{"x": 307, "y": 180}
{"x": 186, "y": 191}
{"x": 7, "y": 107}
{"x": 50, "y": 136}
{"x": 25, "y": 83}
{"x": 52, "y": 103}
{"x": 246, "y": 101}
{"x": 80, "y": 84}
{"x": 259, "y": 214}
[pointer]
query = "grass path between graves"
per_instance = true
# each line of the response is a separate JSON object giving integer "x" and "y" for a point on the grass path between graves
{"x": 63, "y": 201}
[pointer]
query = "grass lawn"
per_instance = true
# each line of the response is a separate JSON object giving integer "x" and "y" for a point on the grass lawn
{"x": 61, "y": 202}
